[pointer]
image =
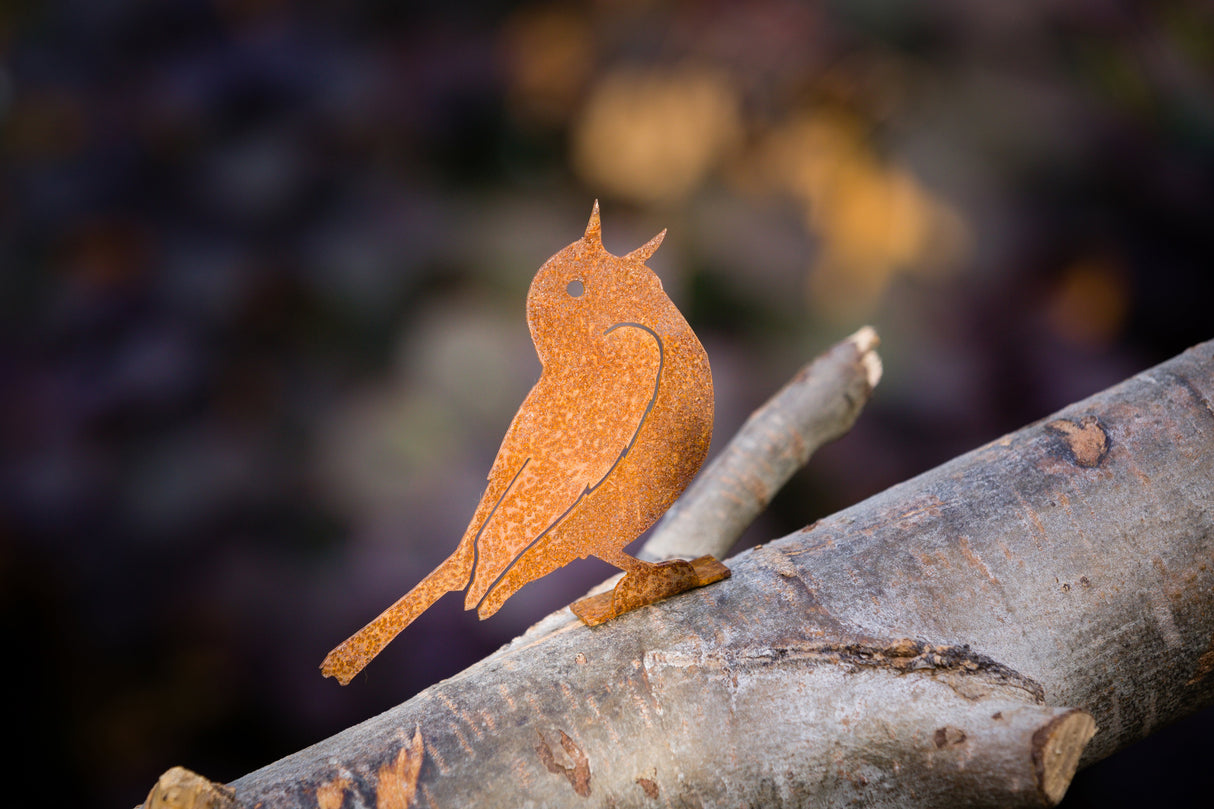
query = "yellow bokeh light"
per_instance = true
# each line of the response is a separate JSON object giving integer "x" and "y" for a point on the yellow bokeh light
{"x": 873, "y": 219}
{"x": 548, "y": 54}
{"x": 653, "y": 135}
{"x": 1090, "y": 303}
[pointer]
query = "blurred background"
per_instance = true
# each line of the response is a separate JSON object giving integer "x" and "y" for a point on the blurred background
{"x": 262, "y": 275}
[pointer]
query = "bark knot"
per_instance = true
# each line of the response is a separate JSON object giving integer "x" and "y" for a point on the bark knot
{"x": 578, "y": 773}
{"x": 1087, "y": 440}
{"x": 949, "y": 736}
{"x": 397, "y": 780}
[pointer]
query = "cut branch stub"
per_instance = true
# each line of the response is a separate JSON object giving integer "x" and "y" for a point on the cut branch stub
{"x": 179, "y": 788}
{"x": 1057, "y": 747}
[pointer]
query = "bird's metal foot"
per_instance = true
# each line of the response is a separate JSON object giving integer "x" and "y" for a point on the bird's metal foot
{"x": 648, "y": 585}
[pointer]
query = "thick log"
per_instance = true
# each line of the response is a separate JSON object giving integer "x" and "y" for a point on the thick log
{"x": 947, "y": 642}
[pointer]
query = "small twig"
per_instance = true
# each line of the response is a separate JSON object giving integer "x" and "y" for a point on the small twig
{"x": 820, "y": 404}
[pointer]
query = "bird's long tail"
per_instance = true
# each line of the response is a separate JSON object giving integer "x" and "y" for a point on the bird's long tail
{"x": 356, "y": 651}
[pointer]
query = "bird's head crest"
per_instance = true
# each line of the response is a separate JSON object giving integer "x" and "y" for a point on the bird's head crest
{"x": 594, "y": 239}
{"x": 594, "y": 228}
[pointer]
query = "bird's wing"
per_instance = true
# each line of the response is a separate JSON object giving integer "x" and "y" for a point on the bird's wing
{"x": 573, "y": 428}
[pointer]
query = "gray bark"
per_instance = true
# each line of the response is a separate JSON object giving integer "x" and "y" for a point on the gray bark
{"x": 818, "y": 405}
{"x": 947, "y": 642}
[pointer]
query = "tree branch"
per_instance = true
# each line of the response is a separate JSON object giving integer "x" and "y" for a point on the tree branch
{"x": 818, "y": 405}
{"x": 949, "y": 641}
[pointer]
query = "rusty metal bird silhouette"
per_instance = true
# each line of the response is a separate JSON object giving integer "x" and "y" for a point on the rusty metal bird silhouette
{"x": 617, "y": 425}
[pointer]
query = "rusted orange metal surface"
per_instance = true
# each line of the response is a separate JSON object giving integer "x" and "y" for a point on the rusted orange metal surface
{"x": 617, "y": 425}
{"x": 663, "y": 580}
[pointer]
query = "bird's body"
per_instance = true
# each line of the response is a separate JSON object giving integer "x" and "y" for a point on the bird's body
{"x": 617, "y": 425}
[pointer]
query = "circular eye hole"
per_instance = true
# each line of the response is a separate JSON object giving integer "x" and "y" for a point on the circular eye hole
{"x": 575, "y": 288}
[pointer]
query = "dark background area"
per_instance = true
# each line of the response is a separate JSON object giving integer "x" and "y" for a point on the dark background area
{"x": 262, "y": 274}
